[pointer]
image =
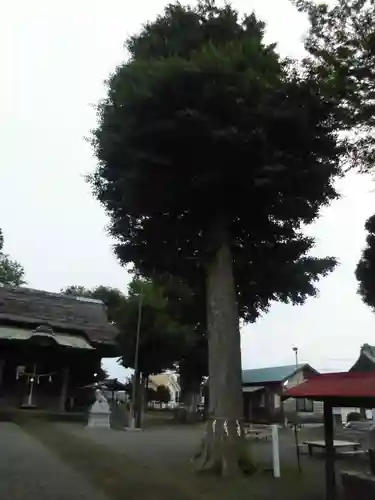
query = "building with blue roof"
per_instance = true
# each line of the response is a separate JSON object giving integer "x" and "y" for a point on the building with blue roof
{"x": 263, "y": 390}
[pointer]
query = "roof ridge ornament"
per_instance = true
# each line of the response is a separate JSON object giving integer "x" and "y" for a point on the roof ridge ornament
{"x": 44, "y": 329}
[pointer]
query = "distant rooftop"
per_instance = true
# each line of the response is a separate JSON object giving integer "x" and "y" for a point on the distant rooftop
{"x": 270, "y": 374}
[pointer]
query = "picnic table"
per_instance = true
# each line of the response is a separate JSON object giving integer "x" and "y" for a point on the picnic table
{"x": 337, "y": 444}
{"x": 261, "y": 432}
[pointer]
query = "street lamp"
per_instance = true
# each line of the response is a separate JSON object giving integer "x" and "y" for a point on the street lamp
{"x": 295, "y": 350}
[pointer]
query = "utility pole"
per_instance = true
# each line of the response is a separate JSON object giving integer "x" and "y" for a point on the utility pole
{"x": 132, "y": 419}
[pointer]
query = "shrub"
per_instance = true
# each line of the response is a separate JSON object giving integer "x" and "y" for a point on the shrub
{"x": 353, "y": 416}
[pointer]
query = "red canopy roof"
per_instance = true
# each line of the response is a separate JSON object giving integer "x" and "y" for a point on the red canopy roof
{"x": 336, "y": 385}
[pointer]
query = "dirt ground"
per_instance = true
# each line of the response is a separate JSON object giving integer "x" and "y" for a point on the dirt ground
{"x": 155, "y": 463}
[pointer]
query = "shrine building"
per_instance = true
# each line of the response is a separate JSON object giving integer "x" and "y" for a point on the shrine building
{"x": 51, "y": 345}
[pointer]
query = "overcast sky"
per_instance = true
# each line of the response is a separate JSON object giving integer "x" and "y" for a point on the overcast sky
{"x": 55, "y": 56}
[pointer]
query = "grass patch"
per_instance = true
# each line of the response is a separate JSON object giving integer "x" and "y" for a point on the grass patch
{"x": 121, "y": 476}
{"x": 18, "y": 414}
{"x": 6, "y": 416}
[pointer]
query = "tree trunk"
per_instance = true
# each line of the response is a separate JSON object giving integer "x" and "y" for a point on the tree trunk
{"x": 190, "y": 391}
{"x": 192, "y": 400}
{"x": 190, "y": 413}
{"x": 145, "y": 394}
{"x": 223, "y": 447}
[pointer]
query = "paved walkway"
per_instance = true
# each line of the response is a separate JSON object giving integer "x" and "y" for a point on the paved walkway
{"x": 29, "y": 470}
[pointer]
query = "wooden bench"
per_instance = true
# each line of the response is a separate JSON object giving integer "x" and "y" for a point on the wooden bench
{"x": 257, "y": 433}
{"x": 352, "y": 453}
{"x": 336, "y": 445}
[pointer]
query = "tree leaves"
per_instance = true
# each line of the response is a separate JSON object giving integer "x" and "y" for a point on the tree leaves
{"x": 11, "y": 271}
{"x": 365, "y": 271}
{"x": 162, "y": 394}
{"x": 163, "y": 337}
{"x": 341, "y": 47}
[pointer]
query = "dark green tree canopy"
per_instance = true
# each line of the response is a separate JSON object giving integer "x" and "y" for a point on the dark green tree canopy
{"x": 112, "y": 297}
{"x": 11, "y": 272}
{"x": 207, "y": 121}
{"x": 163, "y": 338}
{"x": 150, "y": 394}
{"x": 365, "y": 271}
{"x": 162, "y": 394}
{"x": 341, "y": 48}
{"x": 188, "y": 306}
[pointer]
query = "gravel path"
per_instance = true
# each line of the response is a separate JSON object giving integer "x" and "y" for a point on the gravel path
{"x": 28, "y": 470}
{"x": 170, "y": 448}
{"x": 174, "y": 445}
{"x": 167, "y": 446}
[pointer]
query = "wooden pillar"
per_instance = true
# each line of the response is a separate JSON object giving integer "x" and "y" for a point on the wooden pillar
{"x": 330, "y": 452}
{"x": 64, "y": 388}
{"x": 2, "y": 364}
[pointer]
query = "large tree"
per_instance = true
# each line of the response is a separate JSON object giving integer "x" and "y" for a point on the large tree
{"x": 340, "y": 48}
{"x": 365, "y": 271}
{"x": 11, "y": 272}
{"x": 213, "y": 153}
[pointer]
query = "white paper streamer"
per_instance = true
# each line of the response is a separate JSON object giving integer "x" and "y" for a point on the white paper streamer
{"x": 238, "y": 428}
{"x": 225, "y": 425}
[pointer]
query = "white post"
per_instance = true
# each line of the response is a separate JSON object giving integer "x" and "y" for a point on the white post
{"x": 275, "y": 451}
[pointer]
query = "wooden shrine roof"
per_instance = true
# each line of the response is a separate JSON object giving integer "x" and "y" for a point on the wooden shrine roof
{"x": 31, "y": 308}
